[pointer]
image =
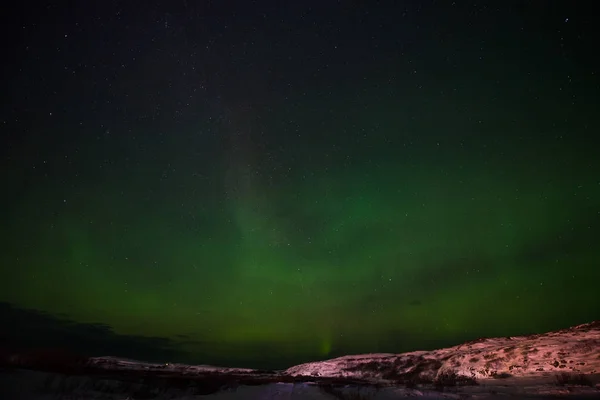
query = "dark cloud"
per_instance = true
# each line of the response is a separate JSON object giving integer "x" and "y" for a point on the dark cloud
{"x": 182, "y": 337}
{"x": 444, "y": 272}
{"x": 27, "y": 328}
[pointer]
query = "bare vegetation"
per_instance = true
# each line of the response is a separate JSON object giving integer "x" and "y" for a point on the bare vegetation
{"x": 565, "y": 378}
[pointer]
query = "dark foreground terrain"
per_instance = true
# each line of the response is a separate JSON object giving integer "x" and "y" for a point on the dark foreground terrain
{"x": 561, "y": 364}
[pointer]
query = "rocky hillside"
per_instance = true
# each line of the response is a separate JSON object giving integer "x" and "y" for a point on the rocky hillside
{"x": 563, "y": 364}
{"x": 571, "y": 353}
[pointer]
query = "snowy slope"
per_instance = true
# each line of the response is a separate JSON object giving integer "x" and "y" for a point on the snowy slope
{"x": 574, "y": 351}
{"x": 564, "y": 364}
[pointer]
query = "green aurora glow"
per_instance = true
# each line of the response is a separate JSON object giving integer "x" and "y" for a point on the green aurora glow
{"x": 368, "y": 217}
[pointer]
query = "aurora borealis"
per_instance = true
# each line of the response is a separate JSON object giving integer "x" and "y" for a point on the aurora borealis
{"x": 259, "y": 184}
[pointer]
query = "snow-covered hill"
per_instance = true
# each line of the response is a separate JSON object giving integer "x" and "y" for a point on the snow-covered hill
{"x": 564, "y": 363}
{"x": 574, "y": 351}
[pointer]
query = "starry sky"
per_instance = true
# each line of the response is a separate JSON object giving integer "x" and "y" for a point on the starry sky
{"x": 263, "y": 183}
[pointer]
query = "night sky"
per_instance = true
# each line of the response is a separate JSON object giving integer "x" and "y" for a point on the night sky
{"x": 263, "y": 183}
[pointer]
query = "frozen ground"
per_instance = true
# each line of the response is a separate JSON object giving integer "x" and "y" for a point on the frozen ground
{"x": 561, "y": 364}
